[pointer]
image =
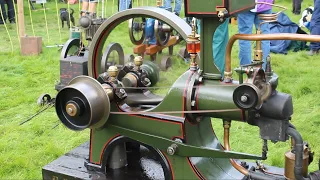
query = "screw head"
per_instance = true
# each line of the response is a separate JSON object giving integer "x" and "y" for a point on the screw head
{"x": 244, "y": 98}
{"x": 170, "y": 150}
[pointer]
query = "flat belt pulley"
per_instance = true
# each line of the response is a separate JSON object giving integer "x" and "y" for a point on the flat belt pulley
{"x": 112, "y": 56}
{"x": 162, "y": 32}
{"x": 247, "y": 96}
{"x": 82, "y": 104}
{"x": 102, "y": 34}
{"x": 73, "y": 47}
{"x": 136, "y": 30}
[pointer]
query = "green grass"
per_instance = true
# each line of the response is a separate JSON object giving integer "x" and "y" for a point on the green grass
{"x": 26, "y": 149}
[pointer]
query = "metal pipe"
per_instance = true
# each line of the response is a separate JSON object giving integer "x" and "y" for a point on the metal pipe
{"x": 261, "y": 37}
{"x": 226, "y": 125}
{"x": 244, "y": 171}
{"x": 299, "y": 153}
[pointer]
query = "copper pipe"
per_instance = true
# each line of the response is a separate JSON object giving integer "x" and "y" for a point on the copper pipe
{"x": 226, "y": 125}
{"x": 261, "y": 37}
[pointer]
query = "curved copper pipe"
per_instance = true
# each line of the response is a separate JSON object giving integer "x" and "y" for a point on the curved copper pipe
{"x": 241, "y": 169}
{"x": 261, "y": 37}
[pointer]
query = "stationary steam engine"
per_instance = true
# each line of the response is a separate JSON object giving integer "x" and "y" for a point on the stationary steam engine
{"x": 135, "y": 134}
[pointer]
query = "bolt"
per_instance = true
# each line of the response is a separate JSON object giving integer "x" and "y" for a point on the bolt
{"x": 193, "y": 103}
{"x": 200, "y": 79}
{"x": 198, "y": 119}
{"x": 171, "y": 150}
{"x": 178, "y": 140}
{"x": 257, "y": 115}
{"x": 70, "y": 111}
{"x": 244, "y": 98}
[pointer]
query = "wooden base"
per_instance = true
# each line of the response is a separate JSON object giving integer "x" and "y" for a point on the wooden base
{"x": 31, "y": 45}
{"x": 153, "y": 49}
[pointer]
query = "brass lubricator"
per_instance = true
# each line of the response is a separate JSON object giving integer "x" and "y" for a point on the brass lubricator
{"x": 290, "y": 161}
{"x": 193, "y": 46}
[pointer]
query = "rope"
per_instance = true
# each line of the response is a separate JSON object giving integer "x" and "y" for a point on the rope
{"x": 5, "y": 25}
{"x": 58, "y": 19}
{"x": 31, "y": 19}
{"x": 112, "y": 6}
{"x": 105, "y": 8}
{"x": 102, "y": 9}
{"x": 69, "y": 15}
{"x": 17, "y": 27}
{"x": 45, "y": 18}
{"x": 97, "y": 10}
{"x": 79, "y": 7}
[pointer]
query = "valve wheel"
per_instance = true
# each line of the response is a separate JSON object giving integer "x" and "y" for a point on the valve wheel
{"x": 73, "y": 47}
{"x": 136, "y": 30}
{"x": 162, "y": 34}
{"x": 112, "y": 56}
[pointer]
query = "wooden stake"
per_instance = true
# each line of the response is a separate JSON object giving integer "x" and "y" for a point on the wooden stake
{"x": 21, "y": 18}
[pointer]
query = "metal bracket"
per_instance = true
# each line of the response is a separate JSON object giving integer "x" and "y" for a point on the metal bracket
{"x": 222, "y": 13}
{"x": 184, "y": 149}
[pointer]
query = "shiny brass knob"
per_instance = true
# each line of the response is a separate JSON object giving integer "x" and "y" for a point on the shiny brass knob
{"x": 113, "y": 71}
{"x": 138, "y": 61}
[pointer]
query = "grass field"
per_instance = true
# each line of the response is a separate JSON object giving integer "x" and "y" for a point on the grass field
{"x": 25, "y": 149}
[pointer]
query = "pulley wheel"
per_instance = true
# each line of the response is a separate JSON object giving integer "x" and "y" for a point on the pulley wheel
{"x": 129, "y": 58}
{"x": 165, "y": 63}
{"x": 162, "y": 34}
{"x": 246, "y": 96}
{"x": 183, "y": 53}
{"x": 44, "y": 99}
{"x": 112, "y": 56}
{"x": 136, "y": 30}
{"x": 72, "y": 47}
{"x": 83, "y": 104}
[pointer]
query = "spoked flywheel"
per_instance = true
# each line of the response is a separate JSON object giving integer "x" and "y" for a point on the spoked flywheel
{"x": 162, "y": 32}
{"x": 73, "y": 47}
{"x": 112, "y": 56}
{"x": 136, "y": 30}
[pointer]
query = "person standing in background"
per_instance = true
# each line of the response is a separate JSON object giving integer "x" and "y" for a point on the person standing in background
{"x": 11, "y": 14}
{"x": 245, "y": 24}
{"x": 296, "y": 6}
{"x": 177, "y": 7}
{"x": 89, "y": 6}
{"x": 315, "y": 28}
{"x": 124, "y": 5}
{"x": 3, "y": 15}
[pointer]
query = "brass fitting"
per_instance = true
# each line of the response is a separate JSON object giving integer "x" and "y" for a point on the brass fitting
{"x": 258, "y": 50}
{"x": 138, "y": 61}
{"x": 228, "y": 76}
{"x": 113, "y": 72}
{"x": 226, "y": 124}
